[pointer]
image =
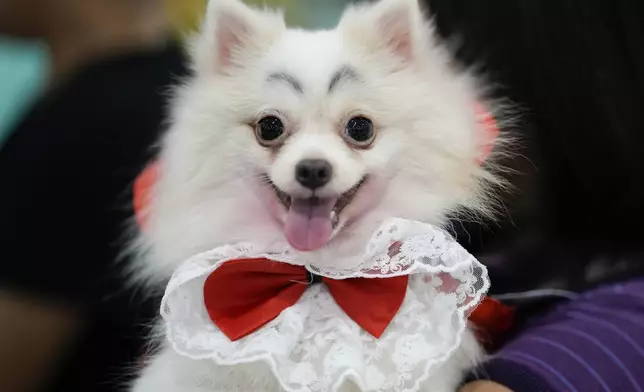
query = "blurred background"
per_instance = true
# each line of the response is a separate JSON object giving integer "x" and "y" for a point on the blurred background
{"x": 302, "y": 13}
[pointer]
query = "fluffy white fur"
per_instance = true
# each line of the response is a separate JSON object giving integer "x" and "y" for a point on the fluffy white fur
{"x": 422, "y": 165}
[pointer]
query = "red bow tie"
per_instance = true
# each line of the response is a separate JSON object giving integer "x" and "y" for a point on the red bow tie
{"x": 243, "y": 295}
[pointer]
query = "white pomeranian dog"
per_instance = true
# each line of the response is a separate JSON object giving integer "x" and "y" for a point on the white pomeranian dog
{"x": 315, "y": 137}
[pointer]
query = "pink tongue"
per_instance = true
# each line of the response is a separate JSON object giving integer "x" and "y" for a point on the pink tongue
{"x": 308, "y": 223}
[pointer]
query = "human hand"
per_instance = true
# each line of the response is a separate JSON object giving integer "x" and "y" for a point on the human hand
{"x": 484, "y": 386}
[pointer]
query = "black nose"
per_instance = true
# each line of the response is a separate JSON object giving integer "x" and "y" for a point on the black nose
{"x": 313, "y": 173}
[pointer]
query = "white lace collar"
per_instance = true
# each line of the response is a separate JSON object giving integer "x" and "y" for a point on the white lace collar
{"x": 314, "y": 345}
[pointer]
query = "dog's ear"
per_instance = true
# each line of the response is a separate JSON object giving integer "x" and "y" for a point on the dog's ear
{"x": 396, "y": 26}
{"x": 232, "y": 33}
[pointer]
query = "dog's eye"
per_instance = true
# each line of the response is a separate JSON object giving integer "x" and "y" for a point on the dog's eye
{"x": 269, "y": 130}
{"x": 359, "y": 131}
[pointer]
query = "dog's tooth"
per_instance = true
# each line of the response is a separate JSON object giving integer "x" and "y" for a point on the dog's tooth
{"x": 334, "y": 218}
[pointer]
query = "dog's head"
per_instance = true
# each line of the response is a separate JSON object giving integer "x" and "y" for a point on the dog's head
{"x": 315, "y": 137}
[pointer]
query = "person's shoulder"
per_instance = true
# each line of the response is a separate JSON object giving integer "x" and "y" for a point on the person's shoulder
{"x": 132, "y": 87}
{"x": 131, "y": 75}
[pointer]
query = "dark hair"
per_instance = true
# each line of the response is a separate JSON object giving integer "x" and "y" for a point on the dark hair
{"x": 576, "y": 67}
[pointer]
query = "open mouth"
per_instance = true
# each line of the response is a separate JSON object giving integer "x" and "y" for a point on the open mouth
{"x": 310, "y": 222}
{"x": 340, "y": 203}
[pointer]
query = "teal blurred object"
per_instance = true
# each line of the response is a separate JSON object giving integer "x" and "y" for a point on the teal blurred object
{"x": 24, "y": 70}
{"x": 318, "y": 14}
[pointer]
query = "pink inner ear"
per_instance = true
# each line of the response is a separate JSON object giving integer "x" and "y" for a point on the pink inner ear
{"x": 396, "y": 27}
{"x": 229, "y": 35}
{"x": 402, "y": 46}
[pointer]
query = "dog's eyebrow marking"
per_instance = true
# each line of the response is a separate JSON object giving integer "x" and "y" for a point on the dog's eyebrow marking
{"x": 345, "y": 73}
{"x": 286, "y": 78}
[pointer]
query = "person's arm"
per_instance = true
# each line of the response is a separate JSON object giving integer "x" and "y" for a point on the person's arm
{"x": 484, "y": 386}
{"x": 594, "y": 343}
